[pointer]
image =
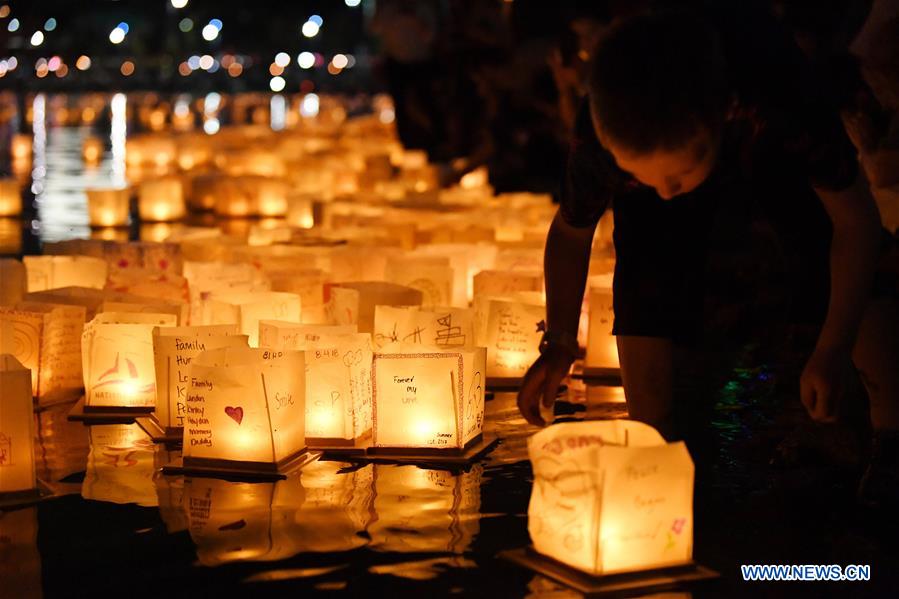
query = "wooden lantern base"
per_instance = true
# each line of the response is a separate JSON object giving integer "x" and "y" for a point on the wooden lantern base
{"x": 43, "y": 403}
{"x": 472, "y": 452}
{"x": 337, "y": 448}
{"x": 16, "y": 499}
{"x": 236, "y": 470}
{"x": 627, "y": 583}
{"x": 105, "y": 414}
{"x": 159, "y": 433}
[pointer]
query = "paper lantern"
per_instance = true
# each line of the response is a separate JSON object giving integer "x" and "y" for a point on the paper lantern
{"x": 208, "y": 279}
{"x": 174, "y": 348}
{"x": 10, "y": 198}
{"x": 276, "y": 334}
{"x": 245, "y": 409}
{"x": 17, "y": 471}
{"x": 15, "y": 281}
{"x": 299, "y": 210}
{"x": 92, "y": 150}
{"x": 444, "y": 328}
{"x": 506, "y": 282}
{"x": 233, "y": 521}
{"x": 432, "y": 275}
{"x": 247, "y": 309}
{"x": 602, "y": 348}
{"x": 448, "y": 524}
{"x": 20, "y": 148}
{"x": 309, "y": 284}
{"x": 428, "y": 398}
{"x": 52, "y": 272}
{"x": 512, "y": 336}
{"x": 150, "y": 150}
{"x": 338, "y": 390}
{"x": 149, "y": 283}
{"x": 10, "y": 235}
{"x": 161, "y": 199}
{"x": 354, "y": 303}
{"x": 104, "y": 300}
{"x": 250, "y": 196}
{"x": 46, "y": 338}
{"x": 117, "y": 360}
{"x": 610, "y": 496}
{"x": 121, "y": 464}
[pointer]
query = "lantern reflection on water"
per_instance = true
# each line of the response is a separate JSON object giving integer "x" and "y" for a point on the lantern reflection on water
{"x": 120, "y": 465}
{"x": 92, "y": 150}
{"x": 446, "y": 517}
{"x": 17, "y": 470}
{"x": 610, "y": 496}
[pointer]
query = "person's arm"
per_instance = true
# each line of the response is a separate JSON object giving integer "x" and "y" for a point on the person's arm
{"x": 853, "y": 255}
{"x": 566, "y": 263}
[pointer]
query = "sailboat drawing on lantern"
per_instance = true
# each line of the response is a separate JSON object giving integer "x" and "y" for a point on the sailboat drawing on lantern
{"x": 130, "y": 385}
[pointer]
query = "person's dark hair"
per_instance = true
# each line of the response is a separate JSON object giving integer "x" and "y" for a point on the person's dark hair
{"x": 656, "y": 80}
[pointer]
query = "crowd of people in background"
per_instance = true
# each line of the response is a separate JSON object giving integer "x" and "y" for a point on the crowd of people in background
{"x": 498, "y": 83}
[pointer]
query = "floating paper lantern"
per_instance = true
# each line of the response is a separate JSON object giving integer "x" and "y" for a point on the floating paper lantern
{"x": 512, "y": 336}
{"x": 17, "y": 471}
{"x": 338, "y": 390}
{"x": 46, "y": 338}
{"x": 428, "y": 399}
{"x": 276, "y": 334}
{"x": 309, "y": 284}
{"x": 450, "y": 523}
{"x": 53, "y": 272}
{"x": 108, "y": 207}
{"x": 92, "y": 150}
{"x": 444, "y": 328}
{"x": 174, "y": 348}
{"x": 354, "y": 303}
{"x": 432, "y": 275}
{"x": 10, "y": 198}
{"x": 232, "y": 521}
{"x": 245, "y": 409}
{"x": 20, "y": 147}
{"x": 610, "y": 496}
{"x": 120, "y": 466}
{"x": 506, "y": 282}
{"x": 250, "y": 196}
{"x": 15, "y": 281}
{"x": 299, "y": 210}
{"x": 117, "y": 356}
{"x": 150, "y": 283}
{"x": 150, "y": 150}
{"x": 602, "y": 348}
{"x": 161, "y": 199}
{"x": 10, "y": 235}
{"x": 247, "y": 309}
{"x": 208, "y": 279}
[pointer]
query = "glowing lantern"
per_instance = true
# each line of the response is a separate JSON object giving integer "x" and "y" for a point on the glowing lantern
{"x": 354, "y": 303}
{"x": 117, "y": 357}
{"x": 250, "y": 196}
{"x": 611, "y": 496}
{"x": 428, "y": 398}
{"x": 245, "y": 409}
{"x": 602, "y": 349}
{"x": 150, "y": 150}
{"x": 12, "y": 273}
{"x": 46, "y": 338}
{"x": 10, "y": 236}
{"x": 208, "y": 279}
{"x": 444, "y": 328}
{"x": 247, "y": 309}
{"x": 120, "y": 466}
{"x": 275, "y": 334}
{"x": 232, "y": 521}
{"x": 512, "y": 336}
{"x": 52, "y": 272}
{"x": 161, "y": 199}
{"x": 21, "y": 147}
{"x": 151, "y": 284}
{"x": 506, "y": 282}
{"x": 451, "y": 521}
{"x": 309, "y": 284}
{"x": 299, "y": 210}
{"x": 432, "y": 275}
{"x": 92, "y": 150}
{"x": 174, "y": 348}
{"x": 17, "y": 471}
{"x": 10, "y": 198}
{"x": 338, "y": 390}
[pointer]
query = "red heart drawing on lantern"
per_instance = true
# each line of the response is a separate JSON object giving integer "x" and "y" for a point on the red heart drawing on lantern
{"x": 678, "y": 525}
{"x": 235, "y": 413}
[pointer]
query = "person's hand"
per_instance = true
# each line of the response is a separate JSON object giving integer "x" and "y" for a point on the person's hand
{"x": 541, "y": 383}
{"x": 823, "y": 383}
